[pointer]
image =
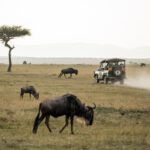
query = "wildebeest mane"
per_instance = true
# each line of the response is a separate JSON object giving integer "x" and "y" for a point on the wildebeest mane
{"x": 74, "y": 104}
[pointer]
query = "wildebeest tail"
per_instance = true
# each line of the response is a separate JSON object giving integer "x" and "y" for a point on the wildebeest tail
{"x": 35, "y": 126}
{"x": 21, "y": 93}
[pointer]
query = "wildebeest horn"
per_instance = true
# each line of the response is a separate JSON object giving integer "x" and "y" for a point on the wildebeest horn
{"x": 94, "y": 106}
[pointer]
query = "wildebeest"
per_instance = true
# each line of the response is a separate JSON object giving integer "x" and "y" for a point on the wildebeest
{"x": 142, "y": 64}
{"x": 29, "y": 89}
{"x": 67, "y": 105}
{"x": 68, "y": 71}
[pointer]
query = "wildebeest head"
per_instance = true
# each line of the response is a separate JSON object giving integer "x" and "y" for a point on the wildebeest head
{"x": 36, "y": 95}
{"x": 89, "y": 114}
{"x": 76, "y": 72}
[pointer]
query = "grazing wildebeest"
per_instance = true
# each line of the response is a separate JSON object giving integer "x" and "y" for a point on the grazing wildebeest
{"x": 142, "y": 64}
{"x": 29, "y": 89}
{"x": 67, "y": 105}
{"x": 68, "y": 71}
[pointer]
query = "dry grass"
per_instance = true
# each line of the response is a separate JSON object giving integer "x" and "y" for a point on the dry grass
{"x": 122, "y": 117}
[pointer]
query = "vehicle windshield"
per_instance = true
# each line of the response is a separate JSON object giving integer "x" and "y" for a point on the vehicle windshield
{"x": 103, "y": 65}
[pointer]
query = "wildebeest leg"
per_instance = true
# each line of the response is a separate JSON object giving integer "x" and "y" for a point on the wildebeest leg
{"x": 70, "y": 75}
{"x": 65, "y": 75}
{"x": 47, "y": 123}
{"x": 60, "y": 75}
{"x": 30, "y": 95}
{"x": 66, "y": 124}
{"x": 21, "y": 95}
{"x": 71, "y": 122}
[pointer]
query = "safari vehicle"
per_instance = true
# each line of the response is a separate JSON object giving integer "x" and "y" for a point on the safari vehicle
{"x": 110, "y": 70}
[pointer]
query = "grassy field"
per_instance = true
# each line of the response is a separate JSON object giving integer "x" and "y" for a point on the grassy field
{"x": 122, "y": 116}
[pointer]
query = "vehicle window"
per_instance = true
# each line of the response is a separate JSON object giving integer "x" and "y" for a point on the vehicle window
{"x": 111, "y": 64}
{"x": 121, "y": 63}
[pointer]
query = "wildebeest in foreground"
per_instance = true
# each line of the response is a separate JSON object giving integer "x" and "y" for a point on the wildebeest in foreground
{"x": 29, "y": 89}
{"x": 67, "y": 105}
{"x": 68, "y": 71}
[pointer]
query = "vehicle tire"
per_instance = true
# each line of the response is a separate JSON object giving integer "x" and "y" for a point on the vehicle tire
{"x": 105, "y": 80}
{"x": 97, "y": 80}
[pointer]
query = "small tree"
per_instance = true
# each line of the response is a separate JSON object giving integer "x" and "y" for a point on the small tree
{"x": 8, "y": 33}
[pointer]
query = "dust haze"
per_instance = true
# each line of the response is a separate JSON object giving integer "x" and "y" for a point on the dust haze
{"x": 139, "y": 78}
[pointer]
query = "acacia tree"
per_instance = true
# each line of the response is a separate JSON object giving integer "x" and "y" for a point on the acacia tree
{"x": 8, "y": 33}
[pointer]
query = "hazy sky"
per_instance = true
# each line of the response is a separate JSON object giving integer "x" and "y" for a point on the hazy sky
{"x": 79, "y": 26}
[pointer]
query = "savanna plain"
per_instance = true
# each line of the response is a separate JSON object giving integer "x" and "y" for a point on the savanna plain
{"x": 121, "y": 121}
